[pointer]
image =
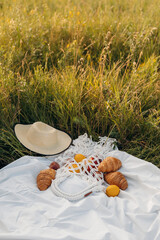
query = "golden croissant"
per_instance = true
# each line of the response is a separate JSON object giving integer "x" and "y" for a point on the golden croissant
{"x": 116, "y": 178}
{"x": 109, "y": 164}
{"x": 49, "y": 171}
{"x": 44, "y": 178}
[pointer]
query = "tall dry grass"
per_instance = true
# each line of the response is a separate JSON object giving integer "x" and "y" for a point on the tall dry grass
{"x": 86, "y": 66}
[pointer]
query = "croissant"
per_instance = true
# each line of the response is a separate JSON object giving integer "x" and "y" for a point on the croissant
{"x": 49, "y": 171}
{"x": 109, "y": 164}
{"x": 44, "y": 178}
{"x": 116, "y": 178}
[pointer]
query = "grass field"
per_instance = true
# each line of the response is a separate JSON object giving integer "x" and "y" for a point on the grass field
{"x": 81, "y": 66}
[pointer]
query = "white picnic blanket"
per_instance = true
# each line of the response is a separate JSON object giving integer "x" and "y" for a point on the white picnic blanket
{"x": 29, "y": 214}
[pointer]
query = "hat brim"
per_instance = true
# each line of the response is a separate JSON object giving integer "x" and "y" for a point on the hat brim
{"x": 64, "y": 141}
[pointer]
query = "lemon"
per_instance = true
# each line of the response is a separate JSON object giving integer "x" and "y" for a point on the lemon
{"x": 112, "y": 191}
{"x": 74, "y": 166}
{"x": 79, "y": 157}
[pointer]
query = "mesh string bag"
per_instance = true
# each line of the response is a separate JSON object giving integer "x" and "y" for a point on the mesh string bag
{"x": 86, "y": 170}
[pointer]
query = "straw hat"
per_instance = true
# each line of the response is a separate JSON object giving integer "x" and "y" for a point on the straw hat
{"x": 42, "y": 138}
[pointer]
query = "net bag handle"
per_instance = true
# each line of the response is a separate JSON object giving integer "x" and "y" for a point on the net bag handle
{"x": 86, "y": 169}
{"x": 93, "y": 187}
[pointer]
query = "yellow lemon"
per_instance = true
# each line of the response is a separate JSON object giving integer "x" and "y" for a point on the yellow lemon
{"x": 112, "y": 191}
{"x": 75, "y": 166}
{"x": 79, "y": 157}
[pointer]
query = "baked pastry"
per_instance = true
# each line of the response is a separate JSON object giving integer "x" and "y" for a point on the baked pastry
{"x": 43, "y": 181}
{"x": 109, "y": 164}
{"x": 44, "y": 178}
{"x": 49, "y": 171}
{"x": 116, "y": 178}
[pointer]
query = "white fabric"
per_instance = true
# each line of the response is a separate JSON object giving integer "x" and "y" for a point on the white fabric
{"x": 29, "y": 214}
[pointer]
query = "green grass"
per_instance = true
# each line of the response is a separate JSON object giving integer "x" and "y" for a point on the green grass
{"x": 80, "y": 66}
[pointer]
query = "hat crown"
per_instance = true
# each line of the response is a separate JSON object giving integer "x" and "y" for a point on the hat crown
{"x": 42, "y": 134}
